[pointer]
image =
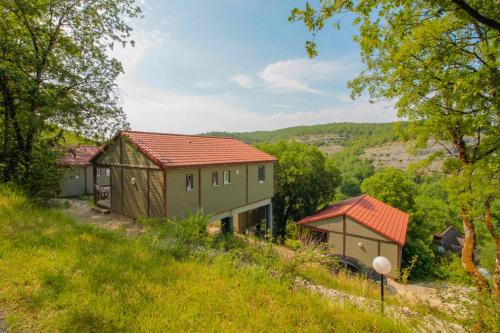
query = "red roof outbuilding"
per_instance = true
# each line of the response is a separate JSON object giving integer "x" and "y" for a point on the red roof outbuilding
{"x": 179, "y": 150}
{"x": 79, "y": 155}
{"x": 385, "y": 220}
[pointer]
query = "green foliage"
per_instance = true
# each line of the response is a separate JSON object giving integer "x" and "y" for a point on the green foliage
{"x": 57, "y": 275}
{"x": 304, "y": 180}
{"x": 353, "y": 170}
{"x": 425, "y": 265}
{"x": 56, "y": 71}
{"x": 392, "y": 186}
{"x": 439, "y": 61}
{"x": 449, "y": 268}
{"x": 42, "y": 177}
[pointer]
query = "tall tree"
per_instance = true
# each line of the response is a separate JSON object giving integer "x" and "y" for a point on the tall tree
{"x": 55, "y": 69}
{"x": 304, "y": 181}
{"x": 439, "y": 61}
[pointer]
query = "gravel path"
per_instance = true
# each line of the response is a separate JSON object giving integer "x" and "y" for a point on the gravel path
{"x": 82, "y": 213}
{"x": 419, "y": 323}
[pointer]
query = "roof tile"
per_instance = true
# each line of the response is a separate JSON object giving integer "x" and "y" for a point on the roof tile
{"x": 178, "y": 150}
{"x": 386, "y": 220}
{"x": 79, "y": 155}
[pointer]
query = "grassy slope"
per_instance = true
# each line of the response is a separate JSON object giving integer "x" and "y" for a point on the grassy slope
{"x": 56, "y": 275}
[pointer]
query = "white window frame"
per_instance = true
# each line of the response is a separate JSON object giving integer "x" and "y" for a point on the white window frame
{"x": 98, "y": 172}
{"x": 263, "y": 168}
{"x": 189, "y": 185}
{"x": 108, "y": 172}
{"x": 227, "y": 177}
{"x": 77, "y": 174}
{"x": 215, "y": 179}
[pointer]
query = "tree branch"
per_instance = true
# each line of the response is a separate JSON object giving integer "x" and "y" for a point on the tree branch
{"x": 477, "y": 15}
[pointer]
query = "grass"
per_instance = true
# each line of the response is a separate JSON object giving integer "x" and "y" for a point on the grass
{"x": 57, "y": 275}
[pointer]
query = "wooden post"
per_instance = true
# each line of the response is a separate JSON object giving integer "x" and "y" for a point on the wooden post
{"x": 94, "y": 177}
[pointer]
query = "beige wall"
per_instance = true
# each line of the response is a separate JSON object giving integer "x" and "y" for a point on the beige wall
{"x": 361, "y": 242}
{"x": 111, "y": 155}
{"x": 156, "y": 185}
{"x": 135, "y": 194}
{"x": 72, "y": 186}
{"x": 331, "y": 224}
{"x": 335, "y": 243}
{"x": 391, "y": 252}
{"x": 258, "y": 191}
{"x": 179, "y": 201}
{"x": 215, "y": 199}
{"x": 357, "y": 228}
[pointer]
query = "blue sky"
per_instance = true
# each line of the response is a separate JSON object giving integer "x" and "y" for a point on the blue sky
{"x": 220, "y": 65}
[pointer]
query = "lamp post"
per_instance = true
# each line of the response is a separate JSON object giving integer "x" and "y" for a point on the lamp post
{"x": 382, "y": 265}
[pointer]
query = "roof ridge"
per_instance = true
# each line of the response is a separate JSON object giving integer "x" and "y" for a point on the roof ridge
{"x": 355, "y": 203}
{"x": 180, "y": 134}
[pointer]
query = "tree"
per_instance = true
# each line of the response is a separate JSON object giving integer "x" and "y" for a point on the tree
{"x": 393, "y": 187}
{"x": 304, "y": 180}
{"x": 439, "y": 62}
{"x": 55, "y": 70}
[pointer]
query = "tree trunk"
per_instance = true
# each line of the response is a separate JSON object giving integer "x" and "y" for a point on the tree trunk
{"x": 496, "y": 238}
{"x": 468, "y": 250}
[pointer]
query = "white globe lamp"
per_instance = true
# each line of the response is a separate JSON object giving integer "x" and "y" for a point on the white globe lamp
{"x": 383, "y": 266}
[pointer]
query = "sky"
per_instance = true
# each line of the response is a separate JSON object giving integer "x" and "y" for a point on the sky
{"x": 237, "y": 65}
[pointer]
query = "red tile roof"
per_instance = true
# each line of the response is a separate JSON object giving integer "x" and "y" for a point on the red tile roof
{"x": 178, "y": 150}
{"x": 386, "y": 220}
{"x": 79, "y": 155}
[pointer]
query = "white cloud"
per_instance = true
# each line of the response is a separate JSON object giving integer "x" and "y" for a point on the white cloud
{"x": 242, "y": 80}
{"x": 152, "y": 108}
{"x": 295, "y": 75}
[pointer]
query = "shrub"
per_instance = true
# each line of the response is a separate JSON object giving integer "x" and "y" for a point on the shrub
{"x": 41, "y": 178}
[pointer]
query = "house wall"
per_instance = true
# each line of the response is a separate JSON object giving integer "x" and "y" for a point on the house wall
{"x": 216, "y": 199}
{"x": 256, "y": 191}
{"x": 137, "y": 184}
{"x": 129, "y": 199}
{"x": 72, "y": 186}
{"x": 181, "y": 202}
{"x": 358, "y": 242}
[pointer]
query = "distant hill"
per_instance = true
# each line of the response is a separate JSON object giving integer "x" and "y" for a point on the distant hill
{"x": 380, "y": 143}
{"x": 337, "y": 133}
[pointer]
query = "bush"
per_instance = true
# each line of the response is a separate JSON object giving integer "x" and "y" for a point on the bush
{"x": 42, "y": 178}
{"x": 424, "y": 266}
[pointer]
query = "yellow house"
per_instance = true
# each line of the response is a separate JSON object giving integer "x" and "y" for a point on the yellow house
{"x": 362, "y": 228}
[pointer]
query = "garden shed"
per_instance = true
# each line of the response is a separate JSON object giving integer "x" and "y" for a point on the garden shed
{"x": 360, "y": 229}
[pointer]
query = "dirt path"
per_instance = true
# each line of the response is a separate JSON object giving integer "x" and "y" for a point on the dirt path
{"x": 82, "y": 213}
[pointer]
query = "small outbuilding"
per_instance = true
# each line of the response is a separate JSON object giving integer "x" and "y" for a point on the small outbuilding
{"x": 360, "y": 229}
{"x": 78, "y": 174}
{"x": 449, "y": 240}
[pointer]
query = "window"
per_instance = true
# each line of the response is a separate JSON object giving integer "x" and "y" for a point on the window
{"x": 227, "y": 177}
{"x": 262, "y": 174}
{"x": 77, "y": 174}
{"x": 189, "y": 182}
{"x": 107, "y": 172}
{"x": 215, "y": 178}
{"x": 98, "y": 172}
